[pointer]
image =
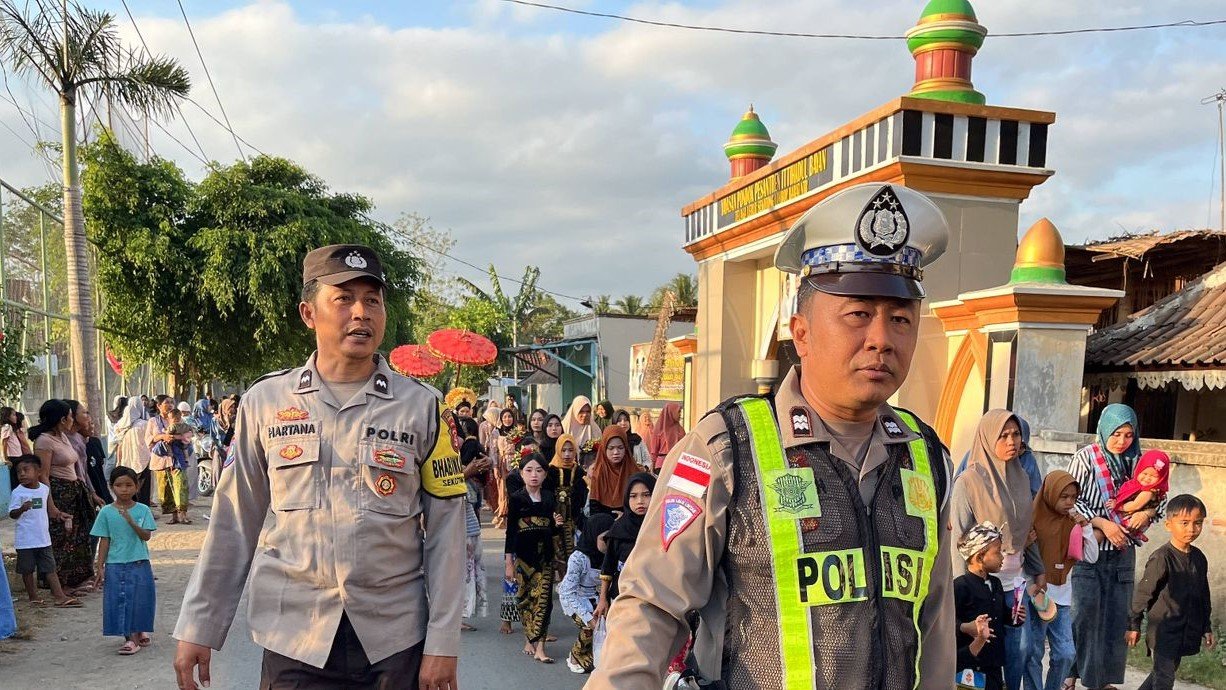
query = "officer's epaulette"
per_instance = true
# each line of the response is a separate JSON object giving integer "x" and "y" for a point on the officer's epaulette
{"x": 731, "y": 402}
{"x": 271, "y": 374}
{"x": 926, "y": 430}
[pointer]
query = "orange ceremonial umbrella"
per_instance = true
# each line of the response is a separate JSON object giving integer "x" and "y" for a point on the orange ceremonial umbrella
{"x": 462, "y": 347}
{"x": 415, "y": 361}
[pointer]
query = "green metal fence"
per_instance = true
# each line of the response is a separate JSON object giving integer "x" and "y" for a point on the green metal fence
{"x": 33, "y": 280}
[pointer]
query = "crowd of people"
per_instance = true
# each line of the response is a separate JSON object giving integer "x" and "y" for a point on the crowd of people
{"x": 1044, "y": 578}
{"x": 81, "y": 497}
{"x": 1046, "y": 569}
{"x": 570, "y": 491}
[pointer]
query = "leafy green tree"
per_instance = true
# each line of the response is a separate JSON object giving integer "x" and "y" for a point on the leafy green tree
{"x": 548, "y": 321}
{"x": 67, "y": 48}
{"x": 15, "y": 360}
{"x": 603, "y": 304}
{"x": 631, "y": 305}
{"x": 513, "y": 311}
{"x": 203, "y": 281}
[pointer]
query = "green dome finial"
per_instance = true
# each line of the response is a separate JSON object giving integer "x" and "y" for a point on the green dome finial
{"x": 943, "y": 43}
{"x": 750, "y": 139}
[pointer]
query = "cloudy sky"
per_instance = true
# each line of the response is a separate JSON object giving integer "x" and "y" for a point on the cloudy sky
{"x": 572, "y": 142}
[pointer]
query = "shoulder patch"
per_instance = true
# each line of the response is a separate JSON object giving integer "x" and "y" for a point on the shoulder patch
{"x": 442, "y": 475}
{"x": 678, "y": 514}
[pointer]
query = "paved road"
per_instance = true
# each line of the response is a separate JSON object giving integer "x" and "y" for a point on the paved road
{"x": 489, "y": 660}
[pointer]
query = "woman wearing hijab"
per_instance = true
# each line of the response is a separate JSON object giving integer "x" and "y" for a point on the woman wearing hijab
{"x": 119, "y": 406}
{"x": 622, "y": 535}
{"x": 578, "y": 591}
{"x": 130, "y": 448}
{"x": 579, "y": 423}
{"x": 612, "y": 469}
{"x": 487, "y": 434}
{"x": 1026, "y": 460}
{"x": 642, "y": 426}
{"x": 565, "y": 479}
{"x": 1064, "y": 538}
{"x": 666, "y": 434}
{"x": 995, "y": 488}
{"x": 506, "y": 460}
{"x": 1102, "y": 591}
{"x": 638, "y": 449}
{"x": 553, "y": 431}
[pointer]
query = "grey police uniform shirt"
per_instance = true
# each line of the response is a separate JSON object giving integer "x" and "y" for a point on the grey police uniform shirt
{"x": 347, "y": 536}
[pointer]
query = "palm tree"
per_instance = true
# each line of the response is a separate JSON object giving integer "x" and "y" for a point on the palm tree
{"x": 684, "y": 288}
{"x": 67, "y": 51}
{"x": 515, "y": 310}
{"x": 603, "y": 304}
{"x": 631, "y": 305}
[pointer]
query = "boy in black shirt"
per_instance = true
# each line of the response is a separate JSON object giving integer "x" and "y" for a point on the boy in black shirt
{"x": 979, "y": 603}
{"x": 1175, "y": 593}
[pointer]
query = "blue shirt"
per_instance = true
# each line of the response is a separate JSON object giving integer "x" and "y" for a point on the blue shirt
{"x": 126, "y": 546}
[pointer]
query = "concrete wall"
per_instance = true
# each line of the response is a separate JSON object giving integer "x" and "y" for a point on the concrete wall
{"x": 617, "y": 333}
{"x": 726, "y": 326}
{"x": 1197, "y": 468}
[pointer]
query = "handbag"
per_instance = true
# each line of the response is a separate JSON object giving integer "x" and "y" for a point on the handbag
{"x": 509, "y": 611}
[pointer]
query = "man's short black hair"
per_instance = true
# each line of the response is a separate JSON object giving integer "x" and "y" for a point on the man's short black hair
{"x": 1185, "y": 503}
{"x": 309, "y": 290}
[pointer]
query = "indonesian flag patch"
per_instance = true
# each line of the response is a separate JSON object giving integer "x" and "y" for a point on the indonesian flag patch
{"x": 691, "y": 475}
{"x": 678, "y": 514}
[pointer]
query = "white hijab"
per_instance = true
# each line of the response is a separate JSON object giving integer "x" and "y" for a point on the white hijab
{"x": 130, "y": 448}
{"x": 582, "y": 433}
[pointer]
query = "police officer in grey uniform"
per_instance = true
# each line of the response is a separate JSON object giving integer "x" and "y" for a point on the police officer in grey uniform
{"x": 805, "y": 532}
{"x": 358, "y": 580}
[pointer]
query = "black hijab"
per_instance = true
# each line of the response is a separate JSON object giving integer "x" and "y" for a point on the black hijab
{"x": 596, "y": 525}
{"x": 470, "y": 450}
{"x": 627, "y": 526}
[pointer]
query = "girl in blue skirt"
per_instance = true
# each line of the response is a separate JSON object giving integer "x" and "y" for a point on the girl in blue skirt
{"x": 123, "y": 570}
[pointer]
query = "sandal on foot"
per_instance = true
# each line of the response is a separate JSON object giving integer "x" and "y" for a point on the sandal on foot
{"x": 144, "y": 640}
{"x": 465, "y": 627}
{"x": 69, "y": 603}
{"x": 39, "y": 603}
{"x": 129, "y": 648}
{"x": 551, "y": 638}
{"x": 545, "y": 660}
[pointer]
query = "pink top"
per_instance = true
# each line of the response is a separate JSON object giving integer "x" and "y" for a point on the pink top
{"x": 63, "y": 455}
{"x": 12, "y": 444}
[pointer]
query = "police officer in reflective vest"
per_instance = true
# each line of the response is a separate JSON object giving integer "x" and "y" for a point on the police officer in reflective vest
{"x": 805, "y": 533}
{"x": 346, "y": 589}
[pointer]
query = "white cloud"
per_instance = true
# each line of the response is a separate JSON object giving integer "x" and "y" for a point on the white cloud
{"x": 576, "y": 152}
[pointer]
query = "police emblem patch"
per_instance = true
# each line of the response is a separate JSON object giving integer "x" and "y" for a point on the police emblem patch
{"x": 388, "y": 457}
{"x": 918, "y": 494}
{"x": 291, "y": 452}
{"x": 355, "y": 260}
{"x": 385, "y": 485}
{"x": 802, "y": 425}
{"x": 230, "y": 455}
{"x": 678, "y": 514}
{"x": 883, "y": 228}
{"x": 794, "y": 492}
{"x": 292, "y": 414}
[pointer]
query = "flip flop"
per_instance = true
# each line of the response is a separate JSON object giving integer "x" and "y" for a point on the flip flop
{"x": 465, "y": 627}
{"x": 144, "y": 640}
{"x": 129, "y": 648}
{"x": 550, "y": 638}
{"x": 40, "y": 603}
{"x": 546, "y": 660}
{"x": 69, "y": 603}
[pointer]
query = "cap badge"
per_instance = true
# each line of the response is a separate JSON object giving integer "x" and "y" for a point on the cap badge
{"x": 883, "y": 228}
{"x": 355, "y": 260}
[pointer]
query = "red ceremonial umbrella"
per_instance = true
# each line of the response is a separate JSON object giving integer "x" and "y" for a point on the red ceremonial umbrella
{"x": 462, "y": 347}
{"x": 415, "y": 361}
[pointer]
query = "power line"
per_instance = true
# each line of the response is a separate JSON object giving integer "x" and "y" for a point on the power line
{"x": 213, "y": 117}
{"x": 483, "y": 271}
{"x": 203, "y": 156}
{"x": 209, "y": 76}
{"x": 1187, "y": 23}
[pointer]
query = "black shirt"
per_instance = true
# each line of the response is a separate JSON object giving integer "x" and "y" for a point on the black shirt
{"x": 1175, "y": 592}
{"x": 973, "y": 597}
{"x": 530, "y": 527}
{"x": 95, "y": 460}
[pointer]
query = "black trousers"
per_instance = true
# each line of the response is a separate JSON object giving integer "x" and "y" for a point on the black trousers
{"x": 1163, "y": 675}
{"x": 347, "y": 668}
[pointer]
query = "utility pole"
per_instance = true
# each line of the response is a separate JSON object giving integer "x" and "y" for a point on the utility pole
{"x": 1220, "y": 98}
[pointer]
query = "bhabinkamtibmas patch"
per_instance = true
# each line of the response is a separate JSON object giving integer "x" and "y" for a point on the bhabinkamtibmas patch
{"x": 442, "y": 475}
{"x": 679, "y": 513}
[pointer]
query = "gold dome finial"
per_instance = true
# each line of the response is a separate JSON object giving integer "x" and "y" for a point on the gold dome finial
{"x": 1040, "y": 255}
